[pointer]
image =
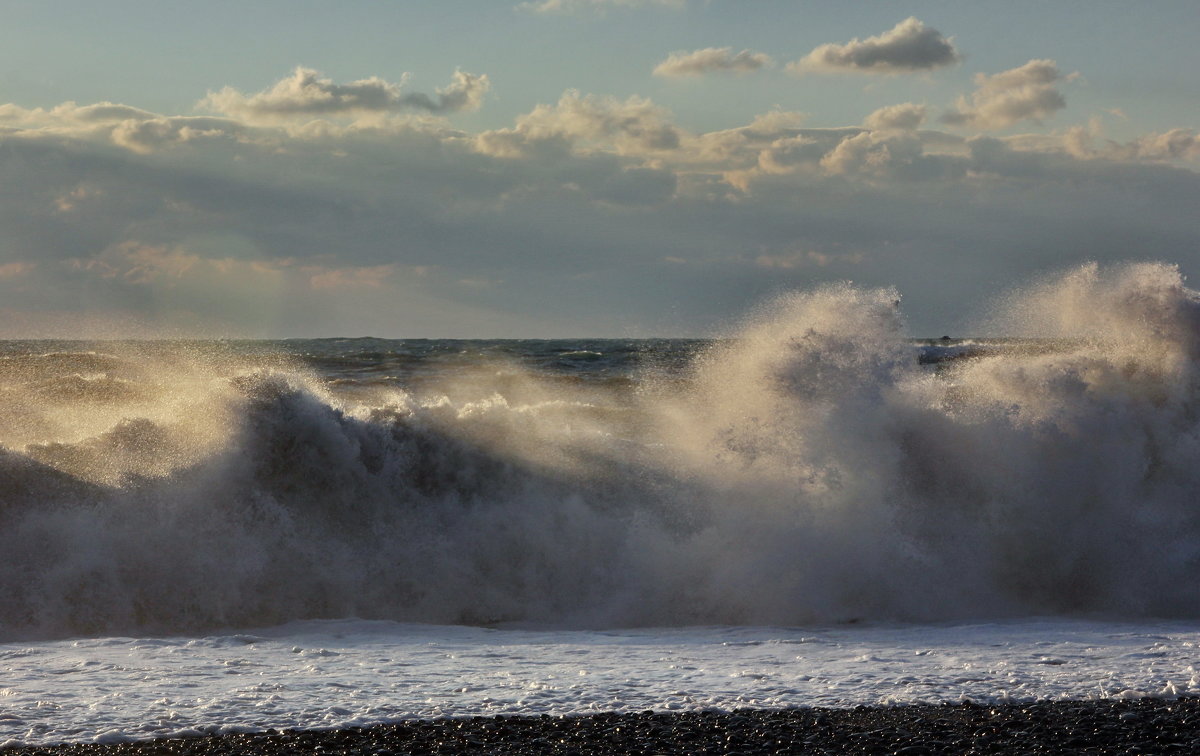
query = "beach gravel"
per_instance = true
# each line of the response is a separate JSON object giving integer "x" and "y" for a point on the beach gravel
{"x": 1104, "y": 726}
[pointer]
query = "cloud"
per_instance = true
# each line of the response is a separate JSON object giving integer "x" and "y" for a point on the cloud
{"x": 131, "y": 128}
{"x": 9, "y": 271}
{"x": 889, "y": 155}
{"x": 1170, "y": 146}
{"x": 596, "y": 215}
{"x": 69, "y": 112}
{"x": 1176, "y": 144}
{"x": 1001, "y": 100}
{"x": 866, "y": 152}
{"x": 348, "y": 278}
{"x": 805, "y": 259}
{"x": 632, "y": 126}
{"x": 465, "y": 92}
{"x": 904, "y": 117}
{"x": 572, "y": 6}
{"x": 801, "y": 151}
{"x": 138, "y": 263}
{"x": 101, "y": 112}
{"x": 155, "y": 133}
{"x": 711, "y": 60}
{"x": 908, "y": 47}
{"x": 306, "y": 94}
{"x": 738, "y": 148}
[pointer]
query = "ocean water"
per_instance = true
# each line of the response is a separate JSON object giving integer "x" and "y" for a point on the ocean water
{"x": 815, "y": 508}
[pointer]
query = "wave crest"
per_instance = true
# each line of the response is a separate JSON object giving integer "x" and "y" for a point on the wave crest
{"x": 810, "y": 469}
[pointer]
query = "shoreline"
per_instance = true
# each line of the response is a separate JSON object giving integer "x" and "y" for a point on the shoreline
{"x": 1142, "y": 725}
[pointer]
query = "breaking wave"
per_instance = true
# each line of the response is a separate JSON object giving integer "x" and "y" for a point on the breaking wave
{"x": 817, "y": 467}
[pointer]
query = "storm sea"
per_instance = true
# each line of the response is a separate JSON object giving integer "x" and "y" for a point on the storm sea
{"x": 816, "y": 508}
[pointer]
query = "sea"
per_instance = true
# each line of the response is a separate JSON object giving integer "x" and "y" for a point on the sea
{"x": 814, "y": 508}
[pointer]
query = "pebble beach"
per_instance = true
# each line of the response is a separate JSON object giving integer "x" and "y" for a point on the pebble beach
{"x": 1147, "y": 725}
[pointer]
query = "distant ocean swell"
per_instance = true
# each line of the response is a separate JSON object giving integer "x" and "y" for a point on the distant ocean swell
{"x": 810, "y": 469}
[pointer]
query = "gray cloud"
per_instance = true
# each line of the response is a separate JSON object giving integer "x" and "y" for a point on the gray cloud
{"x": 306, "y": 94}
{"x": 1027, "y": 92}
{"x": 908, "y": 47}
{"x": 711, "y": 60}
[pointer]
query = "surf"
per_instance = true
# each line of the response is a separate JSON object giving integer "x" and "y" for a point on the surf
{"x": 809, "y": 466}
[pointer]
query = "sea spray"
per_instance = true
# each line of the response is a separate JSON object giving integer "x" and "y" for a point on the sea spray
{"x": 809, "y": 469}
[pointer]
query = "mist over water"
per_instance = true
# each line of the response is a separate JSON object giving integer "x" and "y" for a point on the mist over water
{"x": 819, "y": 466}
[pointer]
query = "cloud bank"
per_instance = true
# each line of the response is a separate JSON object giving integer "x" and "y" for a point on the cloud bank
{"x": 296, "y": 214}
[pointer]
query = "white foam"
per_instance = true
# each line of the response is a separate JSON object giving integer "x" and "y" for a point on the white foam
{"x": 347, "y": 673}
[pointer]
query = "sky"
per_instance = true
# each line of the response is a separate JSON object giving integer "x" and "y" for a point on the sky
{"x": 570, "y": 168}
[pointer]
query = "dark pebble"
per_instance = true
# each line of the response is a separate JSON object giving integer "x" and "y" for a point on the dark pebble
{"x": 1110, "y": 727}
